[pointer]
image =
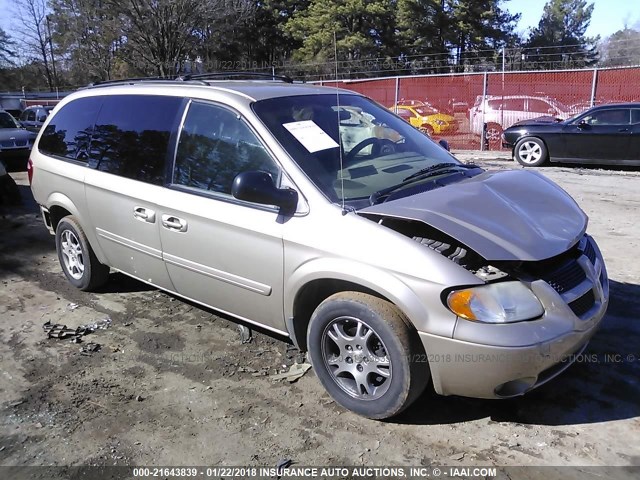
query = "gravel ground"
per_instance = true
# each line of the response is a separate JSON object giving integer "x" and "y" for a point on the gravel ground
{"x": 173, "y": 384}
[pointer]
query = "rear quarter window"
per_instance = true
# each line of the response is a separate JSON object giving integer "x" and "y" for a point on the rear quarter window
{"x": 68, "y": 134}
{"x": 131, "y": 136}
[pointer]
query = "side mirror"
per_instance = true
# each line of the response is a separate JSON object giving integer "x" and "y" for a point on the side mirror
{"x": 258, "y": 187}
{"x": 444, "y": 144}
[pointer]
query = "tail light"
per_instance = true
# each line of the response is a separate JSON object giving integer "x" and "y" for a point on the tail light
{"x": 30, "y": 171}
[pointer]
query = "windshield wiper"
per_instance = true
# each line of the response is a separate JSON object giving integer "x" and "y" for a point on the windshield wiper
{"x": 433, "y": 170}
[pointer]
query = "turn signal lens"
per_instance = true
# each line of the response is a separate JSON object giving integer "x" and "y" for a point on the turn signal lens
{"x": 503, "y": 302}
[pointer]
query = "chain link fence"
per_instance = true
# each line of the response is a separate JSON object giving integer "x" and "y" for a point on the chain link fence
{"x": 470, "y": 110}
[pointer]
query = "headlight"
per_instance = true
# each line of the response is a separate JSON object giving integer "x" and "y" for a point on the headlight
{"x": 441, "y": 122}
{"x": 503, "y": 302}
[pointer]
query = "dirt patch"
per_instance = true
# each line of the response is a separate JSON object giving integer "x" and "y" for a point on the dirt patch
{"x": 173, "y": 384}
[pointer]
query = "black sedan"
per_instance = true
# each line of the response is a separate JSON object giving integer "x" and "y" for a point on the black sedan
{"x": 606, "y": 134}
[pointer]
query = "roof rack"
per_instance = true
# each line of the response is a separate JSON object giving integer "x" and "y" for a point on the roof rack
{"x": 199, "y": 77}
{"x": 214, "y": 75}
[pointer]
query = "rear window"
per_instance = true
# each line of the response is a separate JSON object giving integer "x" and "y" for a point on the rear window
{"x": 132, "y": 134}
{"x": 68, "y": 134}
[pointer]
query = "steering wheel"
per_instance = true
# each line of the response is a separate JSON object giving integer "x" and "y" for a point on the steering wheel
{"x": 380, "y": 146}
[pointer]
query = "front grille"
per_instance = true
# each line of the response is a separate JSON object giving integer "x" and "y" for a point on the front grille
{"x": 568, "y": 276}
{"x": 582, "y": 305}
{"x": 21, "y": 143}
{"x": 8, "y": 143}
{"x": 589, "y": 251}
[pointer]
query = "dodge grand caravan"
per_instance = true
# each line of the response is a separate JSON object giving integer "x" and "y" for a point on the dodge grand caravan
{"x": 390, "y": 262}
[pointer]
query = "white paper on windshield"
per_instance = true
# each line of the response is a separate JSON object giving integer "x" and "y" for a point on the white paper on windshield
{"x": 310, "y": 135}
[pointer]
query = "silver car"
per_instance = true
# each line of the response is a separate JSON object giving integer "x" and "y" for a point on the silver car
{"x": 387, "y": 260}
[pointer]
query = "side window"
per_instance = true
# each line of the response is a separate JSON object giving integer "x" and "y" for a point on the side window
{"x": 512, "y": 104}
{"x": 24, "y": 115}
{"x": 540, "y": 106}
{"x": 635, "y": 116}
{"x": 609, "y": 117}
{"x": 32, "y": 116}
{"x": 69, "y": 132}
{"x": 131, "y": 136}
{"x": 215, "y": 146}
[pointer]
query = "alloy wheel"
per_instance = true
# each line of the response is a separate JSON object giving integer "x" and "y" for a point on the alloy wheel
{"x": 356, "y": 358}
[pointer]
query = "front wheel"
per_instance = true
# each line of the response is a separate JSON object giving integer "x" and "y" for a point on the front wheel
{"x": 365, "y": 355}
{"x": 79, "y": 263}
{"x": 530, "y": 152}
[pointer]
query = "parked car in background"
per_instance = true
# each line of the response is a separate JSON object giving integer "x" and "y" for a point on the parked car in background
{"x": 426, "y": 118}
{"x": 606, "y": 134}
{"x": 33, "y": 117}
{"x": 15, "y": 142}
{"x": 500, "y": 112}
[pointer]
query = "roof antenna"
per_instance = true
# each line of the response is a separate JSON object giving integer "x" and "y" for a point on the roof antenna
{"x": 335, "y": 51}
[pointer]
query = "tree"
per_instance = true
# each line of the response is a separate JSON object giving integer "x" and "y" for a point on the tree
{"x": 88, "y": 32}
{"x": 7, "y": 52}
{"x": 160, "y": 33}
{"x": 478, "y": 28}
{"x": 363, "y": 29}
{"x": 621, "y": 49}
{"x": 34, "y": 32}
{"x": 422, "y": 32}
{"x": 559, "y": 40}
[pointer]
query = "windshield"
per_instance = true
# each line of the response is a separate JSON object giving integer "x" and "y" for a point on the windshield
{"x": 7, "y": 121}
{"x": 352, "y": 150}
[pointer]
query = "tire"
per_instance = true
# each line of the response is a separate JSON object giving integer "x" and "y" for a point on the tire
{"x": 78, "y": 262}
{"x": 365, "y": 354}
{"x": 530, "y": 152}
{"x": 493, "y": 135}
{"x": 428, "y": 129}
{"x": 9, "y": 193}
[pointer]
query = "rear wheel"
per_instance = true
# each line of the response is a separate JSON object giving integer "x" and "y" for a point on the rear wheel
{"x": 365, "y": 355}
{"x": 530, "y": 152}
{"x": 76, "y": 256}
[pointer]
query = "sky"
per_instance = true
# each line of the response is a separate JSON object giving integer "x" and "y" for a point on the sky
{"x": 608, "y": 17}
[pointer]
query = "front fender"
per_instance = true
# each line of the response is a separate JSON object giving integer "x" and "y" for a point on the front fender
{"x": 418, "y": 299}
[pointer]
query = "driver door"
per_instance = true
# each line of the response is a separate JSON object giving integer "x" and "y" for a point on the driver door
{"x": 600, "y": 136}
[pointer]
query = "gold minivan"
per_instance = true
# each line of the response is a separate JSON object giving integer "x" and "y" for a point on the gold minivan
{"x": 391, "y": 263}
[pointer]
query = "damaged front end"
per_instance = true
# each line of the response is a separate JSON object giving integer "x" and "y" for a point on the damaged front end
{"x": 544, "y": 284}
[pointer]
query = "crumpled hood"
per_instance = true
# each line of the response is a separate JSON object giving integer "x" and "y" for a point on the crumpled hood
{"x": 504, "y": 215}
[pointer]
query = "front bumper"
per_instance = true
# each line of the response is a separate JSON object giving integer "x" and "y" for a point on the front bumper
{"x": 488, "y": 371}
{"x": 502, "y": 361}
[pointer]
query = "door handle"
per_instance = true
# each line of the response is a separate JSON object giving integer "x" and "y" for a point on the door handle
{"x": 144, "y": 214}
{"x": 174, "y": 223}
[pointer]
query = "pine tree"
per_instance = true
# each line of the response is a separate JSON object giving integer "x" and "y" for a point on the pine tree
{"x": 559, "y": 40}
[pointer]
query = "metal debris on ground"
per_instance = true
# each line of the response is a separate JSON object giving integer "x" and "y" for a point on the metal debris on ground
{"x": 57, "y": 330}
{"x": 72, "y": 306}
{"x": 296, "y": 372}
{"x": 89, "y": 348}
{"x": 99, "y": 325}
{"x": 245, "y": 334}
